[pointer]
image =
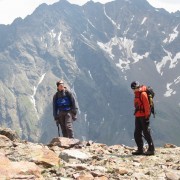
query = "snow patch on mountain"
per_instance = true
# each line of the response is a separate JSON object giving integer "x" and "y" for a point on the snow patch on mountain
{"x": 172, "y": 36}
{"x": 165, "y": 40}
{"x": 144, "y": 20}
{"x": 170, "y": 91}
{"x": 91, "y": 23}
{"x": 113, "y": 22}
{"x": 87, "y": 42}
{"x": 123, "y": 64}
{"x": 32, "y": 97}
{"x": 90, "y": 74}
{"x": 85, "y": 117}
{"x": 59, "y": 37}
{"x": 177, "y": 80}
{"x": 107, "y": 47}
{"x": 126, "y": 47}
{"x": 52, "y": 34}
{"x": 173, "y": 61}
{"x": 102, "y": 121}
{"x": 132, "y": 18}
{"x": 125, "y": 32}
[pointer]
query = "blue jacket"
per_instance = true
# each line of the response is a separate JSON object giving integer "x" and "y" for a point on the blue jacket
{"x": 63, "y": 101}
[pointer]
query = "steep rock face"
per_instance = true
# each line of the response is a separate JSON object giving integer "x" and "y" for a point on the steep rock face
{"x": 98, "y": 50}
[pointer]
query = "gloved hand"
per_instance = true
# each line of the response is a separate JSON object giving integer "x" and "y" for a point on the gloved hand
{"x": 56, "y": 119}
{"x": 147, "y": 120}
{"x": 74, "y": 111}
{"x": 57, "y": 123}
{"x": 147, "y": 117}
{"x": 74, "y": 114}
{"x": 74, "y": 117}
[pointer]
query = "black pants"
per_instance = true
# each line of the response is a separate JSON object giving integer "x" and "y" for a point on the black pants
{"x": 142, "y": 126}
{"x": 65, "y": 121}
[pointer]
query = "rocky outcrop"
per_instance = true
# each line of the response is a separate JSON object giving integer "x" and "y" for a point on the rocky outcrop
{"x": 98, "y": 49}
{"x": 18, "y": 170}
{"x": 87, "y": 160}
{"x": 64, "y": 142}
{"x": 12, "y": 135}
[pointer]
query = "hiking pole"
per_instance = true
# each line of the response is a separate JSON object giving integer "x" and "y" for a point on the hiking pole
{"x": 58, "y": 130}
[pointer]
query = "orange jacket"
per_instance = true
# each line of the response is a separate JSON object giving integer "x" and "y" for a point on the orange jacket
{"x": 141, "y": 103}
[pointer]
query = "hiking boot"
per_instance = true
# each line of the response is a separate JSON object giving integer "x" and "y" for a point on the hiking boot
{"x": 149, "y": 153}
{"x": 138, "y": 152}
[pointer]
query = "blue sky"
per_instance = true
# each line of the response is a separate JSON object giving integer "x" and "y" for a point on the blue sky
{"x": 11, "y": 9}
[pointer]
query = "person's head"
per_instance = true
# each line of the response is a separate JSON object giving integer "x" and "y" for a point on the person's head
{"x": 135, "y": 85}
{"x": 60, "y": 85}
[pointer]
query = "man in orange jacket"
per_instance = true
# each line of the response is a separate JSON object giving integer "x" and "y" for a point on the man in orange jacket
{"x": 142, "y": 115}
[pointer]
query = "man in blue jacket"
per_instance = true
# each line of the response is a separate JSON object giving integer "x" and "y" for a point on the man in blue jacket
{"x": 64, "y": 109}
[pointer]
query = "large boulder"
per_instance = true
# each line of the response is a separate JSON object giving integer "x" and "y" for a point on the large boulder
{"x": 18, "y": 170}
{"x": 39, "y": 154}
{"x": 11, "y": 134}
{"x": 64, "y": 142}
{"x": 74, "y": 154}
{"x": 168, "y": 145}
{"x": 5, "y": 142}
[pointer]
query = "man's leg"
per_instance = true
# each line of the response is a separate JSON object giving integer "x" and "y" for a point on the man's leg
{"x": 147, "y": 135}
{"x": 69, "y": 125}
{"x": 63, "y": 124}
{"x": 138, "y": 136}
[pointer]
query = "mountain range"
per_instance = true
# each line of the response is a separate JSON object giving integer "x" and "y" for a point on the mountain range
{"x": 98, "y": 49}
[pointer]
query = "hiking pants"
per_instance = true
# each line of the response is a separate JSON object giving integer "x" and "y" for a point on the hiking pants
{"x": 65, "y": 121}
{"x": 142, "y": 126}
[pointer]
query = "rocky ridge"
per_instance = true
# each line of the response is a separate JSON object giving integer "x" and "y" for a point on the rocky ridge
{"x": 68, "y": 159}
{"x": 98, "y": 49}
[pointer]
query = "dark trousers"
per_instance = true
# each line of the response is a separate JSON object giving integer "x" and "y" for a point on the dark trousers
{"x": 142, "y": 126}
{"x": 65, "y": 121}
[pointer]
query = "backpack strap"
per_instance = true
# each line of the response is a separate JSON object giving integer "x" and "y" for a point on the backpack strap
{"x": 139, "y": 107}
{"x": 67, "y": 93}
{"x": 151, "y": 103}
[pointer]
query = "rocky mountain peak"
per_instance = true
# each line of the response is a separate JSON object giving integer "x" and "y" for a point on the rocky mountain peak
{"x": 70, "y": 159}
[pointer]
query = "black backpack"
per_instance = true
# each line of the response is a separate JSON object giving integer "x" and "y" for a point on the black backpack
{"x": 150, "y": 92}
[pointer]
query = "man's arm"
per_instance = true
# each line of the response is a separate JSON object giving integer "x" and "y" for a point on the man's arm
{"x": 54, "y": 107}
{"x": 73, "y": 101}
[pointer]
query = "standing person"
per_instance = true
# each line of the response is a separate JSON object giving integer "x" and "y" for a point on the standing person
{"x": 64, "y": 109}
{"x": 142, "y": 115}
